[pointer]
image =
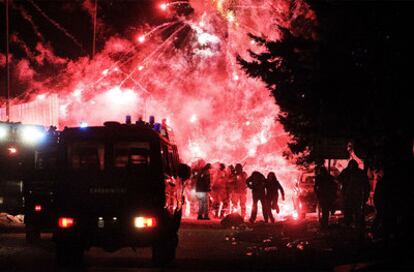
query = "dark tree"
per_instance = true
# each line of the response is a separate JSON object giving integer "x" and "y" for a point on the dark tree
{"x": 353, "y": 81}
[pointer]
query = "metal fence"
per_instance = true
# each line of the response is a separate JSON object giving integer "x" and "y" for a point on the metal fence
{"x": 44, "y": 110}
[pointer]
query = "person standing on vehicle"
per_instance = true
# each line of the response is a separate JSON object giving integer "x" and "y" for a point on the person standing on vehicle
{"x": 355, "y": 192}
{"x": 256, "y": 182}
{"x": 240, "y": 189}
{"x": 202, "y": 189}
{"x": 272, "y": 192}
{"x": 325, "y": 190}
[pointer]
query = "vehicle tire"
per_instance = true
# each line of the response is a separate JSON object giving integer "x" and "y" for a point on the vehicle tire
{"x": 163, "y": 251}
{"x": 32, "y": 234}
{"x": 69, "y": 255}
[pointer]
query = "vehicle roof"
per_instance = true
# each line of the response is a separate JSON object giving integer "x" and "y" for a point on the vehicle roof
{"x": 112, "y": 132}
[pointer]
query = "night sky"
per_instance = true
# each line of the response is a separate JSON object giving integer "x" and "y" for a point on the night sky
{"x": 115, "y": 17}
{"x": 358, "y": 24}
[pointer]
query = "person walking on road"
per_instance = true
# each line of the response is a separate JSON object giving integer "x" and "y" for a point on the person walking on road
{"x": 202, "y": 189}
{"x": 218, "y": 191}
{"x": 272, "y": 192}
{"x": 355, "y": 192}
{"x": 325, "y": 190}
{"x": 257, "y": 182}
{"x": 240, "y": 189}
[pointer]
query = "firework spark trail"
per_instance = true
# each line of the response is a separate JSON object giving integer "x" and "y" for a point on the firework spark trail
{"x": 251, "y": 7}
{"x": 177, "y": 3}
{"x": 158, "y": 49}
{"x": 28, "y": 17}
{"x": 161, "y": 26}
{"x": 16, "y": 39}
{"x": 57, "y": 25}
{"x": 125, "y": 59}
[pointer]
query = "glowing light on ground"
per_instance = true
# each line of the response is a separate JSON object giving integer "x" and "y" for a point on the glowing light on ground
{"x": 295, "y": 215}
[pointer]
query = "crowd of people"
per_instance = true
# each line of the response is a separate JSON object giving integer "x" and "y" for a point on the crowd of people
{"x": 217, "y": 190}
{"x": 221, "y": 190}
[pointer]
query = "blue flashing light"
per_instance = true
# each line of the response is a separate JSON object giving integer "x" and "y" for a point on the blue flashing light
{"x": 83, "y": 125}
{"x": 32, "y": 134}
{"x": 157, "y": 127}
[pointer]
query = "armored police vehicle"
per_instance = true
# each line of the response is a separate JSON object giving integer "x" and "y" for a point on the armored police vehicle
{"x": 118, "y": 185}
{"x": 39, "y": 189}
{"x": 18, "y": 144}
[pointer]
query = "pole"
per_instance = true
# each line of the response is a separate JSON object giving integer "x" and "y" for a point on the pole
{"x": 7, "y": 64}
{"x": 95, "y": 11}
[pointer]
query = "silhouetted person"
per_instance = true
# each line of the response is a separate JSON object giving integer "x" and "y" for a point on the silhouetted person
{"x": 392, "y": 203}
{"x": 164, "y": 128}
{"x": 325, "y": 190}
{"x": 240, "y": 189}
{"x": 230, "y": 183}
{"x": 272, "y": 191}
{"x": 218, "y": 191}
{"x": 355, "y": 192}
{"x": 380, "y": 202}
{"x": 202, "y": 189}
{"x": 256, "y": 182}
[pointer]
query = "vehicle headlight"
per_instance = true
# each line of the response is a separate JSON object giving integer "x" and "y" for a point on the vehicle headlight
{"x": 142, "y": 222}
{"x": 32, "y": 135}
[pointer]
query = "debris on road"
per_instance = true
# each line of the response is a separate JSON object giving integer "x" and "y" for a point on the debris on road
{"x": 232, "y": 220}
{"x": 8, "y": 220}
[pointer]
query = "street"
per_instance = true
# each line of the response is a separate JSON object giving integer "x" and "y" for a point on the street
{"x": 207, "y": 246}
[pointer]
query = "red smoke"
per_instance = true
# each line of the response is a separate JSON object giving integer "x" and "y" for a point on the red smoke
{"x": 184, "y": 71}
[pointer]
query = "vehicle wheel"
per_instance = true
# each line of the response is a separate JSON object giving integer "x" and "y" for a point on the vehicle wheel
{"x": 32, "y": 235}
{"x": 163, "y": 252}
{"x": 69, "y": 255}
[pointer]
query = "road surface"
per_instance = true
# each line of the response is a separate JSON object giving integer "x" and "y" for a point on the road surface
{"x": 207, "y": 246}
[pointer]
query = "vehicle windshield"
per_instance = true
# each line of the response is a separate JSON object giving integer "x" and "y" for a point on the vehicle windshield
{"x": 86, "y": 156}
{"x": 134, "y": 155}
{"x": 45, "y": 160}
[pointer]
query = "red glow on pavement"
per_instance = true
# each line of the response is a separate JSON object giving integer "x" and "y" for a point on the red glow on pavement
{"x": 295, "y": 215}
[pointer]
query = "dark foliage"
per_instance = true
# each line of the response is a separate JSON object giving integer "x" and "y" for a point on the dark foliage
{"x": 352, "y": 82}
